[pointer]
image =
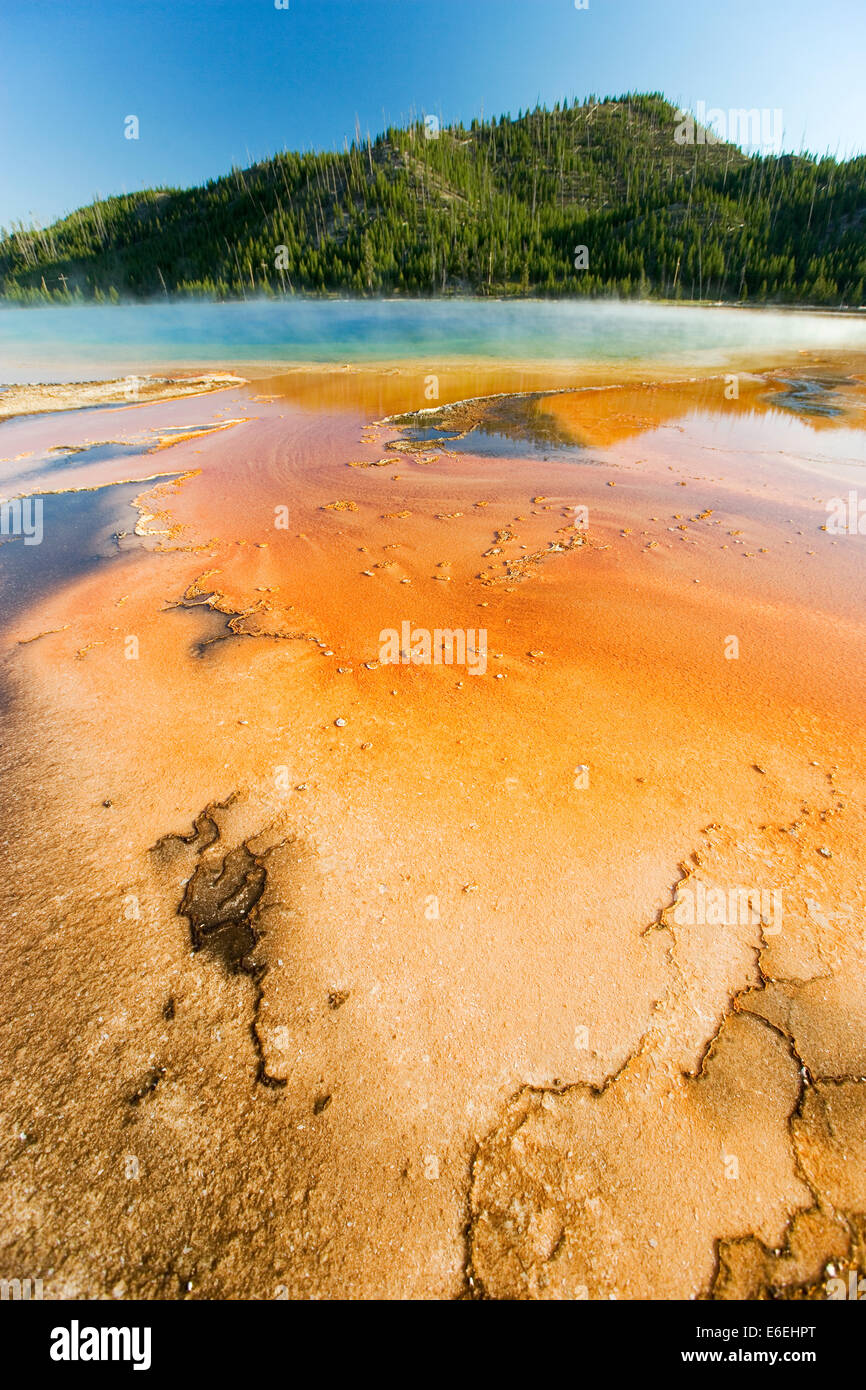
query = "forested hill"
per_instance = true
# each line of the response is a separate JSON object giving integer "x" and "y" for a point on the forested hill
{"x": 498, "y": 208}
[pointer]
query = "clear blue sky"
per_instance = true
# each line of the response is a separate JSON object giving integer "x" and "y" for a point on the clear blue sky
{"x": 220, "y": 81}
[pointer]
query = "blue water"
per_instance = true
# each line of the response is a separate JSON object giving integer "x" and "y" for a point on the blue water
{"x": 74, "y": 343}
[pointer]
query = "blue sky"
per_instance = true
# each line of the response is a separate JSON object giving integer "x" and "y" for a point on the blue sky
{"x": 216, "y": 82}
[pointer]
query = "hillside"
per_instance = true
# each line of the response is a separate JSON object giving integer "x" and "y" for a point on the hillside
{"x": 497, "y": 208}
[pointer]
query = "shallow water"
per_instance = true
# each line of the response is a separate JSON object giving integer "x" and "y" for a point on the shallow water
{"x": 82, "y": 530}
{"x": 75, "y": 343}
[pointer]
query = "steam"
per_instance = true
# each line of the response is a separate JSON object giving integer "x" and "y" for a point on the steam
{"x": 75, "y": 343}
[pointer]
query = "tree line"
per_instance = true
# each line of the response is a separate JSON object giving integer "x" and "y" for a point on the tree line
{"x": 500, "y": 207}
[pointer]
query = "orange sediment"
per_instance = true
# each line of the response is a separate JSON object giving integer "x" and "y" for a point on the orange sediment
{"x": 443, "y": 1034}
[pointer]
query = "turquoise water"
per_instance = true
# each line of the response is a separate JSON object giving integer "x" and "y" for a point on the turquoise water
{"x": 74, "y": 343}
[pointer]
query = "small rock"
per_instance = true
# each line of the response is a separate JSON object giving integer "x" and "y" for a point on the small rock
{"x": 341, "y": 723}
{"x": 828, "y": 854}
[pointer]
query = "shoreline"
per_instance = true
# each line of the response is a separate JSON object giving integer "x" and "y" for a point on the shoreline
{"x": 507, "y": 377}
{"x": 45, "y": 398}
{"x": 843, "y": 311}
